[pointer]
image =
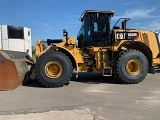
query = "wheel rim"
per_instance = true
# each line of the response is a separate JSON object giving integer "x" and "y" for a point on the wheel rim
{"x": 133, "y": 67}
{"x": 53, "y": 69}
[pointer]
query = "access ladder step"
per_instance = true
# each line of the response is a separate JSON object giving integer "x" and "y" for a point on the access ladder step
{"x": 107, "y": 71}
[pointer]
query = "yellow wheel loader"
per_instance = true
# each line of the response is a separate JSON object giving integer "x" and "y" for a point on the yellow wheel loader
{"x": 126, "y": 54}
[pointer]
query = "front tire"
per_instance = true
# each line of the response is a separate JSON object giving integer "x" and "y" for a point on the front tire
{"x": 53, "y": 69}
{"x": 130, "y": 66}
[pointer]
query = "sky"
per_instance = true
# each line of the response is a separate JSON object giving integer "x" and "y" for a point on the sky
{"x": 48, "y": 18}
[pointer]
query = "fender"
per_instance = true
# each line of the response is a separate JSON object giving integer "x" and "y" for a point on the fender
{"x": 141, "y": 47}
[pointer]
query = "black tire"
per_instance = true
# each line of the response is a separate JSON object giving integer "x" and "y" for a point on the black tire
{"x": 29, "y": 76}
{"x": 121, "y": 70}
{"x": 26, "y": 79}
{"x": 64, "y": 76}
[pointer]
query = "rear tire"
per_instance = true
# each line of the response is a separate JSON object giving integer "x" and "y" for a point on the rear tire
{"x": 53, "y": 69}
{"x": 130, "y": 66}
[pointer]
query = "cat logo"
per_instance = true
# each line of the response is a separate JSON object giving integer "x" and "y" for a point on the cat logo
{"x": 120, "y": 36}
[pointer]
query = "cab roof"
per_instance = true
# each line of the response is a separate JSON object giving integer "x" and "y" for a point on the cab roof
{"x": 96, "y": 11}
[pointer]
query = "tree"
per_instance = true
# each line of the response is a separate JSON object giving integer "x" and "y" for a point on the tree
{"x": 33, "y": 50}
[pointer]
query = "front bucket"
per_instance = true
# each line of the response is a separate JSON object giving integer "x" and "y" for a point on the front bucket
{"x": 13, "y": 67}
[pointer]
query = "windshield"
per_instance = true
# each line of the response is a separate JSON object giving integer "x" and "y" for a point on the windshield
{"x": 84, "y": 32}
{"x": 101, "y": 23}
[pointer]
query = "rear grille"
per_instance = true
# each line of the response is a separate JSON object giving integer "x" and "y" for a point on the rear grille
{"x": 145, "y": 39}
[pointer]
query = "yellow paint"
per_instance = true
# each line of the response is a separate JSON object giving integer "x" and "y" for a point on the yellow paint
{"x": 151, "y": 43}
{"x": 72, "y": 49}
{"x": 39, "y": 48}
{"x": 133, "y": 67}
{"x": 82, "y": 67}
{"x": 156, "y": 61}
{"x": 53, "y": 69}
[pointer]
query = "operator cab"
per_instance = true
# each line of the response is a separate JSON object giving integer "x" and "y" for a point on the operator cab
{"x": 95, "y": 30}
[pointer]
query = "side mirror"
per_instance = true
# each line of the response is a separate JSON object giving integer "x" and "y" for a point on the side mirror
{"x": 65, "y": 34}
